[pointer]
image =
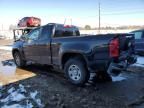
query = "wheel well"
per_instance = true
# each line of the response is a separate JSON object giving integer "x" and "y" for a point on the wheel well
{"x": 68, "y": 56}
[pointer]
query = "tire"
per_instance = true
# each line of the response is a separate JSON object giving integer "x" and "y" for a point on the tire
{"x": 76, "y": 71}
{"x": 18, "y": 60}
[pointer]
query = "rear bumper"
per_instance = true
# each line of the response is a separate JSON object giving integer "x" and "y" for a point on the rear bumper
{"x": 119, "y": 65}
{"x": 116, "y": 68}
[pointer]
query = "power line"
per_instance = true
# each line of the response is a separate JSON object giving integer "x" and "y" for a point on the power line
{"x": 123, "y": 13}
{"x": 113, "y": 13}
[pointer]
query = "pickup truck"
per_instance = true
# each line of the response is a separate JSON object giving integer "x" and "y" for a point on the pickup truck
{"x": 63, "y": 48}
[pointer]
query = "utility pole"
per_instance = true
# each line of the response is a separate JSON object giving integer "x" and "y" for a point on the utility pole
{"x": 71, "y": 21}
{"x": 64, "y": 21}
{"x": 99, "y": 16}
{"x": 2, "y": 27}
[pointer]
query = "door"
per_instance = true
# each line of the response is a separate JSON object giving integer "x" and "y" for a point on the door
{"x": 43, "y": 45}
{"x": 29, "y": 46}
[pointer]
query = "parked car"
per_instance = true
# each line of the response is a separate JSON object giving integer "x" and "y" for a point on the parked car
{"x": 29, "y": 22}
{"x": 139, "y": 41}
{"x": 77, "y": 56}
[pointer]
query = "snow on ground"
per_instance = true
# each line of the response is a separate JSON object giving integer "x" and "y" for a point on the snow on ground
{"x": 20, "y": 95}
{"x": 38, "y": 101}
{"x": 140, "y": 62}
{"x": 8, "y": 48}
{"x": 13, "y": 106}
{"x": 118, "y": 78}
{"x": 29, "y": 105}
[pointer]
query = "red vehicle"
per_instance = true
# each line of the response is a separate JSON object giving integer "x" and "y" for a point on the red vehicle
{"x": 29, "y": 22}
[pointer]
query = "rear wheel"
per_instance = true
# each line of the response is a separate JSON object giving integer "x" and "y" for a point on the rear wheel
{"x": 76, "y": 71}
{"x": 18, "y": 60}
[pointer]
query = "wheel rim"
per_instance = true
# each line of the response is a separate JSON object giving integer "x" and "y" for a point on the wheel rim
{"x": 17, "y": 59}
{"x": 74, "y": 72}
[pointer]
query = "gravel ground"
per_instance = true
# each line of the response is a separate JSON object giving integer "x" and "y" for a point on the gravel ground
{"x": 50, "y": 89}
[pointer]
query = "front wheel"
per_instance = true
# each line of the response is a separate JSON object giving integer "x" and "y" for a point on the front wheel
{"x": 18, "y": 60}
{"x": 76, "y": 71}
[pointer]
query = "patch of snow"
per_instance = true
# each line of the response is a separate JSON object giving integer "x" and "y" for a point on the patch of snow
{"x": 28, "y": 86}
{"x": 13, "y": 106}
{"x": 140, "y": 60}
{"x": 11, "y": 90}
{"x": 29, "y": 105}
{"x": 138, "y": 65}
{"x": 14, "y": 96}
{"x": 22, "y": 89}
{"x": 33, "y": 94}
{"x": 118, "y": 78}
{"x": 11, "y": 63}
{"x": 38, "y": 101}
{"x": 8, "y": 48}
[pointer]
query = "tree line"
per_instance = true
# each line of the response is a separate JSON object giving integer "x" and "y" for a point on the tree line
{"x": 88, "y": 27}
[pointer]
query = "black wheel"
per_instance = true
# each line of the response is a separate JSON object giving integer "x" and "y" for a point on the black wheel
{"x": 76, "y": 71}
{"x": 18, "y": 60}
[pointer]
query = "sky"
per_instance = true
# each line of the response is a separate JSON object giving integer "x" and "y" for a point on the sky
{"x": 82, "y": 12}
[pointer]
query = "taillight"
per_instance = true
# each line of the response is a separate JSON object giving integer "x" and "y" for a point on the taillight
{"x": 114, "y": 48}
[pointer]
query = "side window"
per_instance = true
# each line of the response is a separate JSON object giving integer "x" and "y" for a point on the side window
{"x": 45, "y": 32}
{"x": 34, "y": 34}
{"x": 138, "y": 35}
{"x": 58, "y": 31}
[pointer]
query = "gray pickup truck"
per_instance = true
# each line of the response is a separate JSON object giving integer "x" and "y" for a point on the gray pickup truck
{"x": 77, "y": 56}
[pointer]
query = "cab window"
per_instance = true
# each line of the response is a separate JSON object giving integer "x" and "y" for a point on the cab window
{"x": 61, "y": 31}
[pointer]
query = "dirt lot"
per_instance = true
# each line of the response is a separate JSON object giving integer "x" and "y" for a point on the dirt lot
{"x": 6, "y": 42}
{"x": 39, "y": 87}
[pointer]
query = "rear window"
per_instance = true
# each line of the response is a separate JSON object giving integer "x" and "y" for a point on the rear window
{"x": 61, "y": 31}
